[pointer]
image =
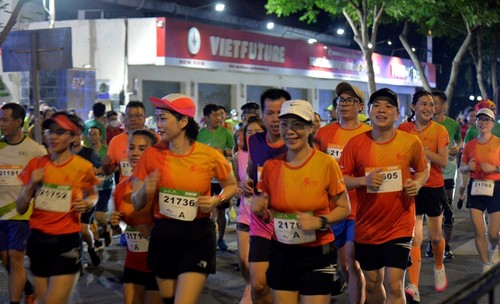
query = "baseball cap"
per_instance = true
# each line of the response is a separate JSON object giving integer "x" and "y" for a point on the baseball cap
{"x": 485, "y": 103}
{"x": 389, "y": 94}
{"x": 487, "y": 112}
{"x": 62, "y": 121}
{"x": 300, "y": 108}
{"x": 250, "y": 108}
{"x": 176, "y": 102}
{"x": 344, "y": 86}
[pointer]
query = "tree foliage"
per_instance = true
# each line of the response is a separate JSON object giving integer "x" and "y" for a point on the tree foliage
{"x": 363, "y": 16}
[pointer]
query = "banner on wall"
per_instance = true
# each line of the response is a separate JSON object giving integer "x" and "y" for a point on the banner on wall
{"x": 192, "y": 45}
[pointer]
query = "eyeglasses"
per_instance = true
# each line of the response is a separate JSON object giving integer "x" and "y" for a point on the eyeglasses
{"x": 347, "y": 101}
{"x": 134, "y": 116}
{"x": 56, "y": 131}
{"x": 293, "y": 125}
{"x": 484, "y": 119}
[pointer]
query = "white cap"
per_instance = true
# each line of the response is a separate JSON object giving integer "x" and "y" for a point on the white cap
{"x": 487, "y": 112}
{"x": 301, "y": 108}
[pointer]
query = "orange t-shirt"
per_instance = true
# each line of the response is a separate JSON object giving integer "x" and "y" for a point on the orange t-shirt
{"x": 123, "y": 204}
{"x": 488, "y": 152}
{"x": 384, "y": 216}
{"x": 434, "y": 136}
{"x": 76, "y": 173}
{"x": 307, "y": 188}
{"x": 332, "y": 139}
{"x": 190, "y": 174}
{"x": 117, "y": 151}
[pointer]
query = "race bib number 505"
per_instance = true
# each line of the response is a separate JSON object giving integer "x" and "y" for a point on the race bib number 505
{"x": 392, "y": 180}
{"x": 177, "y": 204}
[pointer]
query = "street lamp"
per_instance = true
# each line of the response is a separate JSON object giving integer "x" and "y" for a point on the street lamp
{"x": 270, "y": 25}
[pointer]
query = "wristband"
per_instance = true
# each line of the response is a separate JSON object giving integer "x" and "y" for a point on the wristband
{"x": 221, "y": 197}
{"x": 324, "y": 223}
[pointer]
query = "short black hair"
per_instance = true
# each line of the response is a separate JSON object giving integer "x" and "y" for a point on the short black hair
{"x": 99, "y": 109}
{"x": 209, "y": 108}
{"x": 135, "y": 104}
{"x": 110, "y": 113}
{"x": 97, "y": 128}
{"x": 17, "y": 110}
{"x": 440, "y": 94}
{"x": 273, "y": 94}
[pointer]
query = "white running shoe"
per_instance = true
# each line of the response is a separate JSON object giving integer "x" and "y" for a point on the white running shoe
{"x": 412, "y": 294}
{"x": 494, "y": 256}
{"x": 440, "y": 280}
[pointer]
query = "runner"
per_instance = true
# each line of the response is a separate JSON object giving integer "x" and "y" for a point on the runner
{"x": 16, "y": 150}
{"x": 481, "y": 160}
{"x": 432, "y": 197}
{"x": 139, "y": 283}
{"x": 174, "y": 176}
{"x": 331, "y": 139}
{"x": 62, "y": 185}
{"x": 377, "y": 164}
{"x": 298, "y": 188}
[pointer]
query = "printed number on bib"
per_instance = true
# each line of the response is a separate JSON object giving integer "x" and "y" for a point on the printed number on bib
{"x": 136, "y": 242}
{"x": 8, "y": 175}
{"x": 288, "y": 231}
{"x": 392, "y": 180}
{"x": 126, "y": 168}
{"x": 482, "y": 187}
{"x": 55, "y": 198}
{"x": 178, "y": 204}
{"x": 335, "y": 151}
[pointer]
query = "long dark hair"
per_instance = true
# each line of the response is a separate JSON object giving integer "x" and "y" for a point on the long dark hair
{"x": 414, "y": 101}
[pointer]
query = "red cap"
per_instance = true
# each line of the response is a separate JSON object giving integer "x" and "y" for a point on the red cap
{"x": 176, "y": 102}
{"x": 485, "y": 104}
{"x": 62, "y": 121}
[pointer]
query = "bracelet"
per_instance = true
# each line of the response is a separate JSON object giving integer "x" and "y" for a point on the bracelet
{"x": 324, "y": 223}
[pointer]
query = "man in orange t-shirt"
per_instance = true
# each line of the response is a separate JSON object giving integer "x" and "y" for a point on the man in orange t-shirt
{"x": 377, "y": 164}
{"x": 332, "y": 139}
{"x": 116, "y": 159}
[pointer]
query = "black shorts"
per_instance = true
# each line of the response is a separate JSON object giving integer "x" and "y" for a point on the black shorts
{"x": 146, "y": 279}
{"x": 449, "y": 183}
{"x": 242, "y": 227}
{"x": 177, "y": 247}
{"x": 309, "y": 270}
{"x": 88, "y": 217}
{"x": 394, "y": 253}
{"x": 215, "y": 190}
{"x": 491, "y": 204}
{"x": 259, "y": 249}
{"x": 53, "y": 255}
{"x": 430, "y": 201}
{"x": 102, "y": 202}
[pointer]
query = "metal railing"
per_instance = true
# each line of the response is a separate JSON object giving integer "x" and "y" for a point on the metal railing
{"x": 483, "y": 286}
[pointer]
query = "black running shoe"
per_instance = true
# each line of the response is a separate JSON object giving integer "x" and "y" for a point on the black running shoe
{"x": 94, "y": 257}
{"x": 448, "y": 255}
{"x": 460, "y": 203}
{"x": 428, "y": 252}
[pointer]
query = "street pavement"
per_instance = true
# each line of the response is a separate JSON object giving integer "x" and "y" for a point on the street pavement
{"x": 103, "y": 284}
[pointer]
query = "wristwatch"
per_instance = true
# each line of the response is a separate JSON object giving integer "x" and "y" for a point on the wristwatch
{"x": 324, "y": 223}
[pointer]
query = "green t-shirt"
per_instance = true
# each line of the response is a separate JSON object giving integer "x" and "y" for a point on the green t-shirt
{"x": 219, "y": 138}
{"x": 453, "y": 128}
{"x": 473, "y": 133}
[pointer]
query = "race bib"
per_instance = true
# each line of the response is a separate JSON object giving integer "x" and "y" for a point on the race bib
{"x": 55, "y": 198}
{"x": 482, "y": 187}
{"x": 125, "y": 168}
{"x": 392, "y": 180}
{"x": 288, "y": 231}
{"x": 177, "y": 204}
{"x": 136, "y": 242}
{"x": 8, "y": 175}
{"x": 334, "y": 151}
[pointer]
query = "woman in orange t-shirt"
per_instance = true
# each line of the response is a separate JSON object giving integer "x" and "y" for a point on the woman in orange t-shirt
{"x": 175, "y": 177}
{"x": 299, "y": 189}
{"x": 62, "y": 185}
{"x": 481, "y": 160}
{"x": 139, "y": 283}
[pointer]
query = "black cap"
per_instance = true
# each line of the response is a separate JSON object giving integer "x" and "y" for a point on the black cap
{"x": 250, "y": 108}
{"x": 389, "y": 94}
